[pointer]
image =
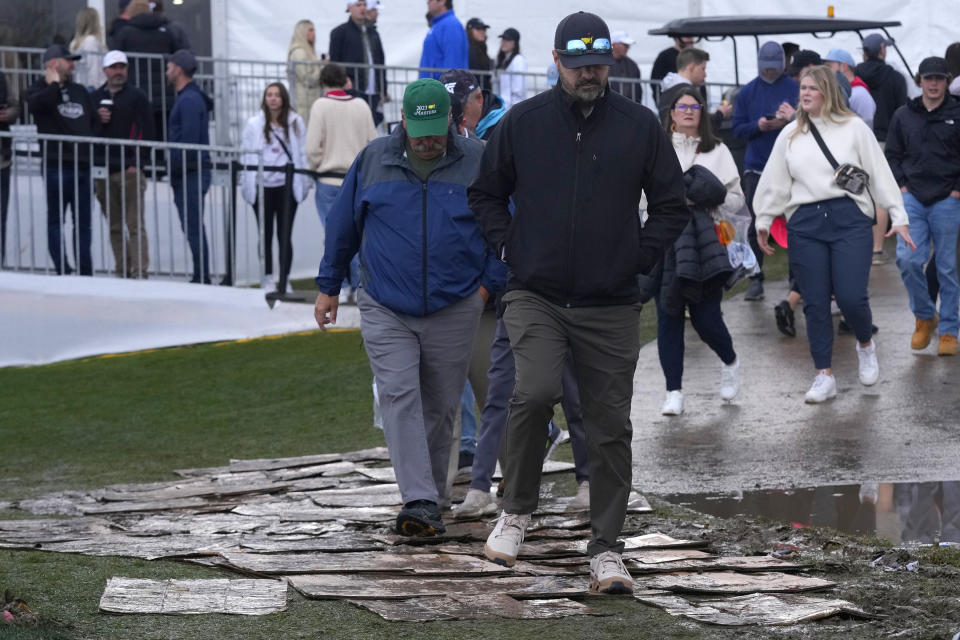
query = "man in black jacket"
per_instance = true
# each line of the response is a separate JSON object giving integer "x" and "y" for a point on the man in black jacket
{"x": 574, "y": 161}
{"x": 923, "y": 149}
{"x": 63, "y": 107}
{"x": 887, "y": 87}
{"x": 124, "y": 113}
{"x": 8, "y": 114}
{"x": 354, "y": 43}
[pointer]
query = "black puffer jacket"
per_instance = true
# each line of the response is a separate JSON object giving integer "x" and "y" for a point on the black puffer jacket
{"x": 148, "y": 33}
{"x": 889, "y": 91}
{"x": 923, "y": 149}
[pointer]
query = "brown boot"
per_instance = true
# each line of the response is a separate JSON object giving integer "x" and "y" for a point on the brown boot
{"x": 923, "y": 333}
{"x": 948, "y": 345}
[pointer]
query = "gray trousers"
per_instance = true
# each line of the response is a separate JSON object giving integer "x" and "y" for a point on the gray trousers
{"x": 605, "y": 345}
{"x": 420, "y": 364}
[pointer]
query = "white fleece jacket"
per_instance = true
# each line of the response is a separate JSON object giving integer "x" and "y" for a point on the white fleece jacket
{"x": 720, "y": 163}
{"x": 798, "y": 173}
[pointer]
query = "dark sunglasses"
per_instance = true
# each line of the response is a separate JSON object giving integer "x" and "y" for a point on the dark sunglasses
{"x": 579, "y": 47}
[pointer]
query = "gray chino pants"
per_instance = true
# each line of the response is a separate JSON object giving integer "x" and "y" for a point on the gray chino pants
{"x": 605, "y": 345}
{"x": 420, "y": 364}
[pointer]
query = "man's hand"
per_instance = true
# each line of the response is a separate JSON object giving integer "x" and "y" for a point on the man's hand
{"x": 763, "y": 239}
{"x": 104, "y": 115}
{"x": 484, "y": 294}
{"x": 51, "y": 75}
{"x": 786, "y": 112}
{"x": 953, "y": 194}
{"x": 903, "y": 189}
{"x": 325, "y": 311}
{"x": 765, "y": 125}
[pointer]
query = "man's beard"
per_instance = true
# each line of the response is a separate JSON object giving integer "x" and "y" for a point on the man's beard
{"x": 585, "y": 91}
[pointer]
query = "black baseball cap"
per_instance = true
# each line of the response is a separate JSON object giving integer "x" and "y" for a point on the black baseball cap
{"x": 874, "y": 42}
{"x": 459, "y": 83}
{"x": 590, "y": 37}
{"x": 933, "y": 66}
{"x": 55, "y": 51}
{"x": 476, "y": 23}
{"x": 510, "y": 34}
{"x": 185, "y": 60}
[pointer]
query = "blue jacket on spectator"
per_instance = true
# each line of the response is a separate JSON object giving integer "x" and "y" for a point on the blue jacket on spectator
{"x": 757, "y": 99}
{"x": 445, "y": 46}
{"x": 420, "y": 247}
{"x": 189, "y": 123}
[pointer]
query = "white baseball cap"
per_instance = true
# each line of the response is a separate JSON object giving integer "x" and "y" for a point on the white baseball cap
{"x": 113, "y": 57}
{"x": 623, "y": 38}
{"x": 374, "y": 5}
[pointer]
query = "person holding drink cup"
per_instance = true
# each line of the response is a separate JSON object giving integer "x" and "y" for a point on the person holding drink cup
{"x": 124, "y": 112}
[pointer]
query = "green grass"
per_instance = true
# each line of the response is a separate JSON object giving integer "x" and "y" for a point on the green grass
{"x": 135, "y": 418}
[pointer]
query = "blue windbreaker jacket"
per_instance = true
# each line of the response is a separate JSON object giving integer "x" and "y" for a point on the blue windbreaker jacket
{"x": 420, "y": 247}
{"x": 445, "y": 46}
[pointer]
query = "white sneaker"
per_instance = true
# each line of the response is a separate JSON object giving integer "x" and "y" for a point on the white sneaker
{"x": 345, "y": 294}
{"x": 608, "y": 575}
{"x": 267, "y": 283}
{"x": 869, "y": 367}
{"x": 581, "y": 501}
{"x": 823, "y": 388}
{"x": 477, "y": 503}
{"x": 730, "y": 380}
{"x": 504, "y": 541}
{"x": 673, "y": 405}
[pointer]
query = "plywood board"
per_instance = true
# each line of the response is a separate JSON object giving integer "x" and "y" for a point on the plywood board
{"x": 550, "y": 466}
{"x": 659, "y": 541}
{"x": 478, "y": 607}
{"x": 307, "y": 511}
{"x": 328, "y": 544}
{"x": 772, "y": 609}
{"x": 371, "y": 587}
{"x": 426, "y": 564}
{"x": 731, "y": 582}
{"x": 186, "y": 597}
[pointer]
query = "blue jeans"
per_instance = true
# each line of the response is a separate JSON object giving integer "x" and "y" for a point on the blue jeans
{"x": 188, "y": 195}
{"x": 468, "y": 420}
{"x": 324, "y": 197}
{"x": 831, "y": 245}
{"x": 69, "y": 187}
{"x": 936, "y": 224}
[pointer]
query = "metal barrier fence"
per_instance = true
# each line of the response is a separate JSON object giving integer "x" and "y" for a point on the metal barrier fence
{"x": 167, "y": 210}
{"x": 237, "y": 86}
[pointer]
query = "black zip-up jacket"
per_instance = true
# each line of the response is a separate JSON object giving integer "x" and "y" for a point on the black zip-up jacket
{"x": 346, "y": 45}
{"x": 130, "y": 119}
{"x": 923, "y": 149}
{"x": 63, "y": 109}
{"x": 148, "y": 33}
{"x": 888, "y": 89}
{"x": 575, "y": 235}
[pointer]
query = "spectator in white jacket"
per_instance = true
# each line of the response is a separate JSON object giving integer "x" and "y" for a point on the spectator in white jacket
{"x": 88, "y": 42}
{"x": 280, "y": 135}
{"x": 830, "y": 229}
{"x": 511, "y": 67}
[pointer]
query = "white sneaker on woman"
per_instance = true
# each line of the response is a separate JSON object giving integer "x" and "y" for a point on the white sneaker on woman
{"x": 730, "y": 380}
{"x": 673, "y": 404}
{"x": 869, "y": 367}
{"x": 823, "y": 388}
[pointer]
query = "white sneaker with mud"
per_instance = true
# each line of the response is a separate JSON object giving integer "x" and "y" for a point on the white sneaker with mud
{"x": 476, "y": 505}
{"x": 504, "y": 541}
{"x": 823, "y": 388}
{"x": 608, "y": 575}
{"x": 672, "y": 404}
{"x": 730, "y": 380}
{"x": 869, "y": 367}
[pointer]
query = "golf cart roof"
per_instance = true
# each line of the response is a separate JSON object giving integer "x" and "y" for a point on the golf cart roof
{"x": 721, "y": 26}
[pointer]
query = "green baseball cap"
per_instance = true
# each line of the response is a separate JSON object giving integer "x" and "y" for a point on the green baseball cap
{"x": 426, "y": 107}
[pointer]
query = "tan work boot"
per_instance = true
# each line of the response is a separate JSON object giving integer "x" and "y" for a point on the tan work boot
{"x": 948, "y": 345}
{"x": 923, "y": 333}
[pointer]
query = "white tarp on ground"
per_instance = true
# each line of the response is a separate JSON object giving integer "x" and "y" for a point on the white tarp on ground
{"x": 261, "y": 31}
{"x": 52, "y": 318}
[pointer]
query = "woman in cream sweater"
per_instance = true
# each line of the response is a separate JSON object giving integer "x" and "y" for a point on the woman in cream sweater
{"x": 830, "y": 230}
{"x": 695, "y": 144}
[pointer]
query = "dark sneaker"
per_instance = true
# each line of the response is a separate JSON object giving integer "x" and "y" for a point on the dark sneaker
{"x": 785, "y": 319}
{"x": 420, "y": 518}
{"x": 755, "y": 290}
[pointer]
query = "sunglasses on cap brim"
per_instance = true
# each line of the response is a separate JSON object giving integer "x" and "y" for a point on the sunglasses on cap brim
{"x": 579, "y": 47}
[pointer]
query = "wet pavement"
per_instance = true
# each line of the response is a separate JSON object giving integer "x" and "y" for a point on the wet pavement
{"x": 906, "y": 428}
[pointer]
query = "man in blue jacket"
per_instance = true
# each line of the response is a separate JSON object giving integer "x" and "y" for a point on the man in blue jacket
{"x": 445, "y": 46}
{"x": 190, "y": 170}
{"x": 765, "y": 105}
{"x": 426, "y": 274}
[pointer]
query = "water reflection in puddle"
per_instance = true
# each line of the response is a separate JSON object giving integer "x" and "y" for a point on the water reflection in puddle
{"x": 924, "y": 512}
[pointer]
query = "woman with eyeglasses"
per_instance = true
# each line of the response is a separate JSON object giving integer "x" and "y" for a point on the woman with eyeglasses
{"x": 511, "y": 66}
{"x": 830, "y": 229}
{"x": 697, "y": 146}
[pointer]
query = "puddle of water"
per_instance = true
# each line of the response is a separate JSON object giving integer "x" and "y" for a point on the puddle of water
{"x": 904, "y": 512}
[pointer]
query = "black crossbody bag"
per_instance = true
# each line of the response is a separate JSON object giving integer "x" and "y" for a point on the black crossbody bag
{"x": 848, "y": 177}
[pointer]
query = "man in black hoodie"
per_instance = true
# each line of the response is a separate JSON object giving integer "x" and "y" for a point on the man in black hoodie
{"x": 124, "y": 113}
{"x": 923, "y": 149}
{"x": 887, "y": 86}
{"x": 574, "y": 161}
{"x": 63, "y": 107}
